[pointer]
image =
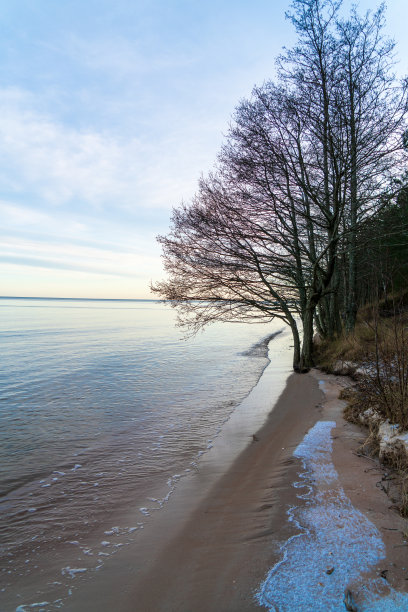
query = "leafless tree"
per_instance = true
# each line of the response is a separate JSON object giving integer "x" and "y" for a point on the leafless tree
{"x": 225, "y": 262}
{"x": 273, "y": 232}
{"x": 343, "y": 69}
{"x": 374, "y": 106}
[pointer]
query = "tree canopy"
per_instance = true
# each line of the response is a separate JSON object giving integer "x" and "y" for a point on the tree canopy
{"x": 272, "y": 231}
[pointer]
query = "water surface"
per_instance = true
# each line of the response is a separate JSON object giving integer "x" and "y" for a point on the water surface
{"x": 104, "y": 408}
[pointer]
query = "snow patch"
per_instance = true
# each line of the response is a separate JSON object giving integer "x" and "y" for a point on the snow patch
{"x": 333, "y": 547}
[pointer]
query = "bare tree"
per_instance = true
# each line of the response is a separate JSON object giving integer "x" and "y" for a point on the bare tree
{"x": 303, "y": 164}
{"x": 225, "y": 262}
{"x": 374, "y": 107}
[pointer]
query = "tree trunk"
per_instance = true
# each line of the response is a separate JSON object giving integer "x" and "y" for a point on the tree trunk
{"x": 334, "y": 321}
{"x": 322, "y": 317}
{"x": 296, "y": 346}
{"x": 319, "y": 321}
{"x": 351, "y": 310}
{"x": 306, "y": 357}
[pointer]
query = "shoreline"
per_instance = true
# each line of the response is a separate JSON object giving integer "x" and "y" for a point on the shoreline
{"x": 224, "y": 533}
{"x": 77, "y": 572}
{"x": 220, "y": 556}
{"x": 215, "y": 557}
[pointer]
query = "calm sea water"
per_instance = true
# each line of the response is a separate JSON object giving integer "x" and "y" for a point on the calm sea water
{"x": 103, "y": 407}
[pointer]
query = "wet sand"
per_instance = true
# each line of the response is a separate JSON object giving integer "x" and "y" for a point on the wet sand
{"x": 216, "y": 556}
{"x": 220, "y": 557}
{"x": 212, "y": 543}
{"x": 364, "y": 482}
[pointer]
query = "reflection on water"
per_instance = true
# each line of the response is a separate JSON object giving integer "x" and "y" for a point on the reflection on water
{"x": 103, "y": 407}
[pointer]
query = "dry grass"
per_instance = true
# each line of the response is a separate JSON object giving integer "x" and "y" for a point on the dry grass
{"x": 385, "y": 382}
{"x": 375, "y": 323}
{"x": 371, "y": 444}
{"x": 345, "y": 348}
{"x": 404, "y": 496}
{"x": 378, "y": 351}
{"x": 397, "y": 460}
{"x": 395, "y": 481}
{"x": 354, "y": 407}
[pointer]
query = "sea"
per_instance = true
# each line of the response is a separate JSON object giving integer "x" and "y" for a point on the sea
{"x": 105, "y": 407}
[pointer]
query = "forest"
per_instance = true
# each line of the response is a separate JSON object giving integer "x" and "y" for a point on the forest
{"x": 304, "y": 217}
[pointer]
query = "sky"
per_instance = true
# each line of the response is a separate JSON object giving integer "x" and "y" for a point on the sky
{"x": 110, "y": 110}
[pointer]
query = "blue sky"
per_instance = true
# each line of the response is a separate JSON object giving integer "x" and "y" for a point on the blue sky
{"x": 109, "y": 112}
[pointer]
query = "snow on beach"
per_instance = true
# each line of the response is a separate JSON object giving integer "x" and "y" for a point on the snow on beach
{"x": 336, "y": 545}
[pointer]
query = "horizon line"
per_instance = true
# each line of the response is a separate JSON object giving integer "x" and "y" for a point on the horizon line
{"x": 31, "y": 297}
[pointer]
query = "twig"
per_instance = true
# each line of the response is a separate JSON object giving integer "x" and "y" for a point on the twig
{"x": 365, "y": 457}
{"x": 389, "y": 528}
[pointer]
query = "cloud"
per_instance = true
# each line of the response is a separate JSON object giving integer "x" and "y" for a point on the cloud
{"x": 35, "y": 242}
{"x": 73, "y": 257}
{"x": 59, "y": 164}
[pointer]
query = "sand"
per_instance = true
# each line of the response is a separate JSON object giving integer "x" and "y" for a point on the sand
{"x": 216, "y": 556}
{"x": 221, "y": 556}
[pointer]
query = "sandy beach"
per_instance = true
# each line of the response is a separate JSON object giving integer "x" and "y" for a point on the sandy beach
{"x": 253, "y": 521}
